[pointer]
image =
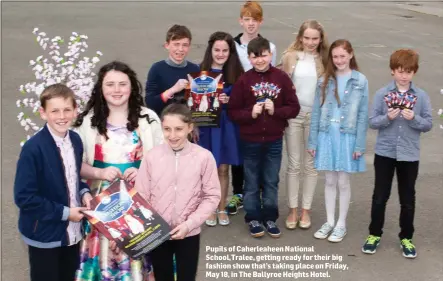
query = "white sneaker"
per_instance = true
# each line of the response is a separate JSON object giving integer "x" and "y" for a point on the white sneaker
{"x": 337, "y": 234}
{"x": 324, "y": 231}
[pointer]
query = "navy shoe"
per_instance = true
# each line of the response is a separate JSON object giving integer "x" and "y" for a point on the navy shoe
{"x": 371, "y": 244}
{"x": 256, "y": 229}
{"x": 272, "y": 229}
{"x": 408, "y": 248}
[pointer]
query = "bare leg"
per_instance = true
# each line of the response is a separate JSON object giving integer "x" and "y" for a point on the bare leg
{"x": 223, "y": 175}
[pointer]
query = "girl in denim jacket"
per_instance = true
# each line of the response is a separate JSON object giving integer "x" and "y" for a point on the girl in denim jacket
{"x": 337, "y": 137}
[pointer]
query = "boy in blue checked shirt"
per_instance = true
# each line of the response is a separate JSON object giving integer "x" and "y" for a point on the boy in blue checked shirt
{"x": 401, "y": 112}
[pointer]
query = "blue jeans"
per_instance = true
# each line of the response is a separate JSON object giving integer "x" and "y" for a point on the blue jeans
{"x": 261, "y": 162}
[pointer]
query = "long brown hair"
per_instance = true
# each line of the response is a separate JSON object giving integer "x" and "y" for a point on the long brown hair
{"x": 331, "y": 68}
{"x": 232, "y": 69}
{"x": 322, "y": 48}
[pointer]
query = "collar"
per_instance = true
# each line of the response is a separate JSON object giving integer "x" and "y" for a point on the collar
{"x": 354, "y": 75}
{"x": 174, "y": 64}
{"x": 216, "y": 70}
{"x": 270, "y": 69}
{"x": 59, "y": 141}
{"x": 185, "y": 150}
{"x": 237, "y": 39}
{"x": 393, "y": 87}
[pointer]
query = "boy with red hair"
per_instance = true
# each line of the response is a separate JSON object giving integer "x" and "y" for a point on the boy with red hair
{"x": 401, "y": 112}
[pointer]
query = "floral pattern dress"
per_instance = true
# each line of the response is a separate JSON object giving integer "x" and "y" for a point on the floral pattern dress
{"x": 123, "y": 150}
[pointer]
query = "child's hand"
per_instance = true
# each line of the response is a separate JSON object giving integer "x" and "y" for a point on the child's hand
{"x": 356, "y": 155}
{"x": 408, "y": 114}
{"x": 180, "y": 85}
{"x": 257, "y": 109}
{"x": 195, "y": 134}
{"x": 75, "y": 214}
{"x": 114, "y": 248}
{"x": 130, "y": 174}
{"x": 311, "y": 152}
{"x": 393, "y": 113}
{"x": 179, "y": 232}
{"x": 269, "y": 106}
{"x": 110, "y": 173}
{"x": 223, "y": 98}
{"x": 86, "y": 200}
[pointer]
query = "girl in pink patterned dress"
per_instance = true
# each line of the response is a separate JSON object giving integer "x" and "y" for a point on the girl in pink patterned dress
{"x": 116, "y": 131}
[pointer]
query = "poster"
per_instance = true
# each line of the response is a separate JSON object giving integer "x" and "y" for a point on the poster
{"x": 202, "y": 97}
{"x": 122, "y": 215}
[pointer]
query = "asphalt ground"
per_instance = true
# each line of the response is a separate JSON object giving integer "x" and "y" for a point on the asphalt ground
{"x": 134, "y": 32}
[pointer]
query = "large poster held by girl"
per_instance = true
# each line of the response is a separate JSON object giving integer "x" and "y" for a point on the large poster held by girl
{"x": 122, "y": 215}
{"x": 202, "y": 97}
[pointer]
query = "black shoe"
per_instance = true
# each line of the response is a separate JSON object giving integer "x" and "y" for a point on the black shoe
{"x": 234, "y": 204}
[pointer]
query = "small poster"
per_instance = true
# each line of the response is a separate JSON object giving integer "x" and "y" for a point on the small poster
{"x": 122, "y": 215}
{"x": 264, "y": 90}
{"x": 202, "y": 97}
{"x": 405, "y": 101}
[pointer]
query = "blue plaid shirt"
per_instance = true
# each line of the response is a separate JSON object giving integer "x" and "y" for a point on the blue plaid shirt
{"x": 400, "y": 138}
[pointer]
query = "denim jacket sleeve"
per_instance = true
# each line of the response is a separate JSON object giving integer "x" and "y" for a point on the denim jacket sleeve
{"x": 378, "y": 119}
{"x": 362, "y": 121}
{"x": 315, "y": 119}
{"x": 423, "y": 121}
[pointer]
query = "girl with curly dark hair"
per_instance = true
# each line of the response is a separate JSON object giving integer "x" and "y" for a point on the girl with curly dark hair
{"x": 116, "y": 131}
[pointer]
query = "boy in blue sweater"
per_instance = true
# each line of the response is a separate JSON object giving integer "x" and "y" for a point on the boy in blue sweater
{"x": 167, "y": 78}
{"x": 48, "y": 190}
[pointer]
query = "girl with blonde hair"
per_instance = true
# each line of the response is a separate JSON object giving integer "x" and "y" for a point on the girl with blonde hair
{"x": 304, "y": 61}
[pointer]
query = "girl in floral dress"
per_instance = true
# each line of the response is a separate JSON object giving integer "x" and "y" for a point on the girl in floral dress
{"x": 116, "y": 131}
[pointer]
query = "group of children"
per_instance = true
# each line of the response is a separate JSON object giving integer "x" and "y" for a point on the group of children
{"x": 315, "y": 99}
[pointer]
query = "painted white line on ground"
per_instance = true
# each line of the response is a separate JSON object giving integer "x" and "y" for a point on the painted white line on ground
{"x": 282, "y": 22}
{"x": 375, "y": 55}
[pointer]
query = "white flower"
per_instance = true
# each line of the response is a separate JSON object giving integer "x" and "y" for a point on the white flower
{"x": 441, "y": 126}
{"x": 39, "y": 89}
{"x": 441, "y": 91}
{"x": 76, "y": 72}
{"x": 101, "y": 54}
{"x": 440, "y": 111}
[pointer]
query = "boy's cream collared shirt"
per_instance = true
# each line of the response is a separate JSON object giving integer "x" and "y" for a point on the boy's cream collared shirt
{"x": 68, "y": 157}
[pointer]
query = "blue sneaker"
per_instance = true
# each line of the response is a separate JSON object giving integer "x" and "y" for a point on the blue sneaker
{"x": 371, "y": 244}
{"x": 272, "y": 229}
{"x": 408, "y": 248}
{"x": 256, "y": 229}
{"x": 234, "y": 204}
